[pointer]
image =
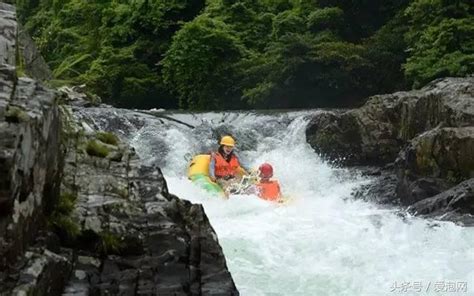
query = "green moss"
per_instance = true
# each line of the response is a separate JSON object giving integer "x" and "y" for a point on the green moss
{"x": 16, "y": 114}
{"x": 95, "y": 148}
{"x": 108, "y": 138}
{"x": 66, "y": 203}
{"x": 61, "y": 219}
{"x": 109, "y": 243}
{"x": 65, "y": 226}
{"x": 20, "y": 61}
{"x": 122, "y": 192}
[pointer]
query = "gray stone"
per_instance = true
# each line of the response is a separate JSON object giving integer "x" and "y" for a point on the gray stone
{"x": 434, "y": 161}
{"x": 31, "y": 155}
{"x": 374, "y": 133}
{"x": 8, "y": 33}
{"x": 457, "y": 204}
{"x": 33, "y": 62}
{"x": 45, "y": 273}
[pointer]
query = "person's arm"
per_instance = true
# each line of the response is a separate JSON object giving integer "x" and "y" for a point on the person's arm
{"x": 212, "y": 168}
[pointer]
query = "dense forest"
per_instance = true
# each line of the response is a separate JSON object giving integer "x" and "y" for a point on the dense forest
{"x": 240, "y": 54}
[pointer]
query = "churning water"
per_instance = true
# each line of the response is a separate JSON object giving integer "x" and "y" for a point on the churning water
{"x": 324, "y": 242}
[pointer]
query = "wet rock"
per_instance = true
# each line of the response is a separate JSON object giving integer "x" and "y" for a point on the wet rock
{"x": 335, "y": 136}
{"x": 381, "y": 190}
{"x": 455, "y": 204}
{"x": 374, "y": 133}
{"x": 30, "y": 158}
{"x": 45, "y": 273}
{"x": 435, "y": 161}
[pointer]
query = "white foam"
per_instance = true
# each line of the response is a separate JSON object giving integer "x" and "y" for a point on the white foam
{"x": 324, "y": 242}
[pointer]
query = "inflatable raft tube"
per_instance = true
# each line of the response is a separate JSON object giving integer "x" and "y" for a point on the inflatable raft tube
{"x": 198, "y": 173}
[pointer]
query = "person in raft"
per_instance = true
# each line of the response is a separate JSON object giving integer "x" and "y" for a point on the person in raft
{"x": 225, "y": 167}
{"x": 267, "y": 188}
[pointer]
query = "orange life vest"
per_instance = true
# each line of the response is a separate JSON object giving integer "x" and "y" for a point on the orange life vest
{"x": 225, "y": 168}
{"x": 269, "y": 190}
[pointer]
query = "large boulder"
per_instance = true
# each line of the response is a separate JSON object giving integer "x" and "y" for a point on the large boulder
{"x": 375, "y": 132}
{"x": 433, "y": 162}
{"x": 456, "y": 203}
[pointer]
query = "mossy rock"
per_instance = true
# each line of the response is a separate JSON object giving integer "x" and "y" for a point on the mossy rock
{"x": 425, "y": 162}
{"x": 109, "y": 243}
{"x": 16, "y": 114}
{"x": 96, "y": 148}
{"x": 108, "y": 138}
{"x": 61, "y": 219}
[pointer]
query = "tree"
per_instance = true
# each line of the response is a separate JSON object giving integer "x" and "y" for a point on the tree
{"x": 200, "y": 64}
{"x": 440, "y": 40}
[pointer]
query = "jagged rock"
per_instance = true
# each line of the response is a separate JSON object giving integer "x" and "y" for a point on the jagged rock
{"x": 29, "y": 161}
{"x": 151, "y": 242}
{"x": 456, "y": 204}
{"x": 8, "y": 29}
{"x": 29, "y": 175}
{"x": 374, "y": 133}
{"x": 335, "y": 136}
{"x": 33, "y": 62}
{"x": 77, "y": 96}
{"x": 45, "y": 273}
{"x": 435, "y": 161}
{"x": 383, "y": 188}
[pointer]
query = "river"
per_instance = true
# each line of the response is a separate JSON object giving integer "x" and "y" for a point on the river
{"x": 324, "y": 242}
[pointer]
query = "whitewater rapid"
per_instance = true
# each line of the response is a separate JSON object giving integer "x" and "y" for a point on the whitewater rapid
{"x": 324, "y": 242}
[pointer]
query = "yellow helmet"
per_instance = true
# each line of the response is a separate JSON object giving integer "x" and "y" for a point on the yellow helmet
{"x": 227, "y": 141}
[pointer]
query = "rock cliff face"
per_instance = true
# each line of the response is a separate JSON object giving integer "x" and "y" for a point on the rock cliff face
{"x": 435, "y": 161}
{"x": 79, "y": 213}
{"x": 427, "y": 133}
{"x": 375, "y": 133}
{"x": 152, "y": 243}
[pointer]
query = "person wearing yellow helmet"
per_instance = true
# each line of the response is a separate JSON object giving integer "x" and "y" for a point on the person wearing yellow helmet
{"x": 225, "y": 164}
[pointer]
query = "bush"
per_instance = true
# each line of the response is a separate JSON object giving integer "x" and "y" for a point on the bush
{"x": 95, "y": 148}
{"x": 108, "y": 138}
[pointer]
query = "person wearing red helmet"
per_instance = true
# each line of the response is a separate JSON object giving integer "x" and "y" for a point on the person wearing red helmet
{"x": 267, "y": 188}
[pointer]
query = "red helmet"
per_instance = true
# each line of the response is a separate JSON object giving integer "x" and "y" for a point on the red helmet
{"x": 266, "y": 170}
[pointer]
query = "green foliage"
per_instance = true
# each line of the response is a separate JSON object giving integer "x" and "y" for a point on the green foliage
{"x": 441, "y": 43}
{"x": 112, "y": 46}
{"x": 287, "y": 22}
{"x": 200, "y": 64}
{"x": 325, "y": 18}
{"x": 109, "y": 243}
{"x": 229, "y": 54}
{"x": 108, "y": 138}
{"x": 16, "y": 114}
{"x": 386, "y": 51}
{"x": 95, "y": 148}
{"x": 60, "y": 218}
